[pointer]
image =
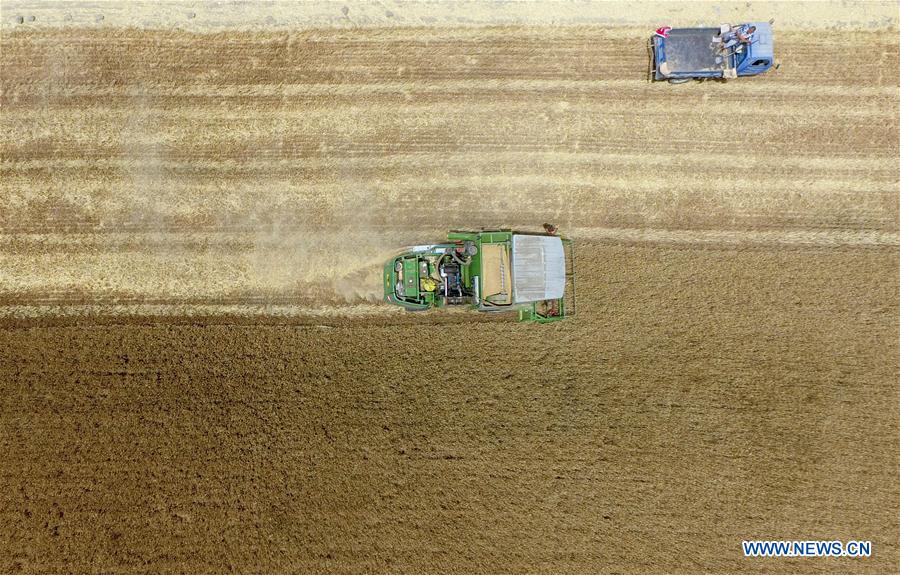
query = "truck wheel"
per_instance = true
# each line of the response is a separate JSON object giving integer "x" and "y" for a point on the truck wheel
{"x": 679, "y": 80}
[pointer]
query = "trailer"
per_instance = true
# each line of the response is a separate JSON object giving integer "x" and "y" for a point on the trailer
{"x": 682, "y": 54}
{"x": 489, "y": 271}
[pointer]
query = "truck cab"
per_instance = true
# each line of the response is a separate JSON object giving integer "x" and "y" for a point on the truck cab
{"x": 759, "y": 55}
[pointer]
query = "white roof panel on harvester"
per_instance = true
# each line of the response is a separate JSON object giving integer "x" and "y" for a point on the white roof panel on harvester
{"x": 538, "y": 268}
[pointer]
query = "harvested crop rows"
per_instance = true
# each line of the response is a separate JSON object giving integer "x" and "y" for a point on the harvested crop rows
{"x": 731, "y": 372}
{"x": 166, "y": 168}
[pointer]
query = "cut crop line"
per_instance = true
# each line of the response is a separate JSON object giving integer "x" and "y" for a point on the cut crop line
{"x": 829, "y": 238}
{"x": 417, "y": 159}
{"x": 162, "y": 89}
{"x": 210, "y": 116}
{"x": 194, "y": 310}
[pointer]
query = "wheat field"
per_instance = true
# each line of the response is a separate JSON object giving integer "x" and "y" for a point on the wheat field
{"x": 198, "y": 375}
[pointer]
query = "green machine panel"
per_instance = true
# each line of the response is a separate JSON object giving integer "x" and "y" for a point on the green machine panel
{"x": 411, "y": 277}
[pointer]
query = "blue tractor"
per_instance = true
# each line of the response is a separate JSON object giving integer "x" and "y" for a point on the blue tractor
{"x": 684, "y": 54}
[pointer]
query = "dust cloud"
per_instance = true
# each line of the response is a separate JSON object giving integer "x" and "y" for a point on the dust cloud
{"x": 341, "y": 266}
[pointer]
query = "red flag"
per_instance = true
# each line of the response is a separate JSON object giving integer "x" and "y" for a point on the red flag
{"x": 663, "y": 31}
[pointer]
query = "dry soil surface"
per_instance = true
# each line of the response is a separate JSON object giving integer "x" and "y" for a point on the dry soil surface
{"x": 196, "y": 375}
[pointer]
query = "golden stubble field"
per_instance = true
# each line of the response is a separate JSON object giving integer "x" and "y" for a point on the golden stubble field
{"x": 176, "y": 170}
{"x": 196, "y": 375}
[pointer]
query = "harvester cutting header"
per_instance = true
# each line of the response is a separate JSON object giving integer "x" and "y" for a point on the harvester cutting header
{"x": 490, "y": 271}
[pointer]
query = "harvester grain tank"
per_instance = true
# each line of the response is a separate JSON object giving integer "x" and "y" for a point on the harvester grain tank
{"x": 489, "y": 271}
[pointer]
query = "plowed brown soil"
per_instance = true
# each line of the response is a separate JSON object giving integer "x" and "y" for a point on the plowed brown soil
{"x": 731, "y": 373}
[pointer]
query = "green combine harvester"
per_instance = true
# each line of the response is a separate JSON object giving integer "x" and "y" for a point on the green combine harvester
{"x": 490, "y": 271}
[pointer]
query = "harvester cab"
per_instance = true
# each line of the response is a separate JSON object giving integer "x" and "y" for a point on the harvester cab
{"x": 489, "y": 271}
